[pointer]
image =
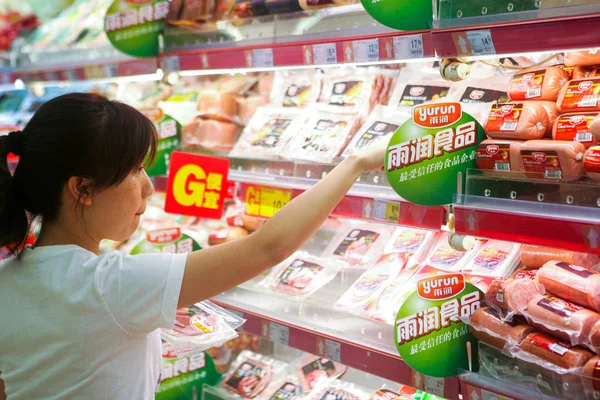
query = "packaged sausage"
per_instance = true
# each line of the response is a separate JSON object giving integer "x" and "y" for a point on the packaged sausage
{"x": 210, "y": 134}
{"x": 537, "y": 256}
{"x": 575, "y": 127}
{"x": 296, "y": 88}
{"x": 251, "y": 374}
{"x": 553, "y": 159}
{"x": 500, "y": 155}
{"x": 314, "y": 371}
{"x": 552, "y": 112}
{"x": 446, "y": 258}
{"x": 591, "y": 376}
{"x": 571, "y": 282}
{"x": 580, "y": 95}
{"x": 380, "y": 126}
{"x": 488, "y": 327}
{"x": 268, "y": 132}
{"x": 511, "y": 296}
{"x": 583, "y": 57}
{"x": 537, "y": 84}
{"x": 595, "y": 128}
{"x": 520, "y": 121}
{"x": 349, "y": 90}
{"x": 495, "y": 258}
{"x": 591, "y": 163}
{"x": 323, "y": 136}
{"x": 548, "y": 352}
{"x": 302, "y": 274}
{"x": 563, "y": 319}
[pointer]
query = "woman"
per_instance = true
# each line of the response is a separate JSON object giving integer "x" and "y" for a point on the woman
{"x": 77, "y": 325}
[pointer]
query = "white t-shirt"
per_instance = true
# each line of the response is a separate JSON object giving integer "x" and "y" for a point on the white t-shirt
{"x": 74, "y": 325}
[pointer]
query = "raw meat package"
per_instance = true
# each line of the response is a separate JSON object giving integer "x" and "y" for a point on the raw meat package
{"x": 349, "y": 90}
{"x": 495, "y": 258}
{"x": 416, "y": 243}
{"x": 247, "y": 106}
{"x": 209, "y": 134}
{"x": 553, "y": 159}
{"x": 359, "y": 243}
{"x": 302, "y": 274}
{"x": 537, "y": 256}
{"x": 367, "y": 288}
{"x": 268, "y": 132}
{"x": 580, "y": 95}
{"x": 511, "y": 296}
{"x": 571, "y": 282}
{"x": 314, "y": 370}
{"x": 251, "y": 374}
{"x": 551, "y": 353}
{"x": 488, "y": 327}
{"x": 200, "y": 327}
{"x": 537, "y": 84}
{"x": 337, "y": 390}
{"x": 575, "y": 127}
{"x": 286, "y": 388}
{"x": 488, "y": 90}
{"x": 296, "y": 88}
{"x": 582, "y": 58}
{"x": 323, "y": 137}
{"x": 500, "y": 155}
{"x": 217, "y": 105}
{"x": 382, "y": 123}
{"x": 591, "y": 163}
{"x": 444, "y": 257}
{"x": 565, "y": 320}
{"x": 412, "y": 90}
{"x": 520, "y": 121}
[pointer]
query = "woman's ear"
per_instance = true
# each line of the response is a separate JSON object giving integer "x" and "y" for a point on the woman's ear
{"x": 81, "y": 190}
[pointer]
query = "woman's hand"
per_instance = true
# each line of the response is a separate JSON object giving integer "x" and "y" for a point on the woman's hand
{"x": 373, "y": 158}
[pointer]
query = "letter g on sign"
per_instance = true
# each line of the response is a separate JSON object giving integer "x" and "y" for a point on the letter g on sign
{"x": 189, "y": 186}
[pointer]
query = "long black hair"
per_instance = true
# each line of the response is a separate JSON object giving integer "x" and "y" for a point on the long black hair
{"x": 77, "y": 134}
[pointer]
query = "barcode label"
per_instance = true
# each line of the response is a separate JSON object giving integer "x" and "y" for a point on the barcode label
{"x": 325, "y": 53}
{"x": 533, "y": 93}
{"x": 509, "y": 126}
{"x": 558, "y": 349}
{"x": 502, "y": 167}
{"x": 589, "y": 101}
{"x": 583, "y": 137}
{"x": 553, "y": 174}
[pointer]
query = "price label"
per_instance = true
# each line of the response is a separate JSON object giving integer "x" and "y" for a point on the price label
{"x": 388, "y": 211}
{"x": 406, "y": 47}
{"x": 266, "y": 201}
{"x": 262, "y": 58}
{"x": 366, "y": 50}
{"x": 51, "y": 76}
{"x": 109, "y": 71}
{"x": 434, "y": 385}
{"x": 170, "y": 64}
{"x": 72, "y": 75}
{"x": 325, "y": 53}
{"x": 333, "y": 350}
{"x": 481, "y": 42}
{"x": 279, "y": 333}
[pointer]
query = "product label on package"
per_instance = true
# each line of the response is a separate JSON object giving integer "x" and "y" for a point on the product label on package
{"x": 287, "y": 391}
{"x": 346, "y": 93}
{"x": 548, "y": 343}
{"x": 478, "y": 95}
{"x": 320, "y": 368}
{"x": 375, "y": 131}
{"x": 559, "y": 306}
{"x": 268, "y": 136}
{"x": 356, "y": 243}
{"x": 574, "y": 269}
{"x": 247, "y": 378}
{"x": 193, "y": 321}
{"x": 527, "y": 85}
{"x": 591, "y": 161}
{"x": 414, "y": 95}
{"x": 504, "y": 117}
{"x": 545, "y": 163}
{"x": 446, "y": 256}
{"x": 297, "y": 95}
{"x": 385, "y": 394}
{"x": 575, "y": 127}
{"x": 490, "y": 258}
{"x": 322, "y": 134}
{"x": 408, "y": 242}
{"x": 366, "y": 285}
{"x": 168, "y": 240}
{"x": 494, "y": 157}
{"x": 581, "y": 94}
{"x": 526, "y": 273}
{"x": 299, "y": 275}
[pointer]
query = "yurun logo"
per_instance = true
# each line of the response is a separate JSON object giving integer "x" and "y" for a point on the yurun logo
{"x": 437, "y": 115}
{"x": 441, "y": 287}
{"x": 166, "y": 235}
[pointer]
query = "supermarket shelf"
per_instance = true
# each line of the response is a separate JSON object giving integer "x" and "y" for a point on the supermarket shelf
{"x": 308, "y": 326}
{"x": 474, "y": 386}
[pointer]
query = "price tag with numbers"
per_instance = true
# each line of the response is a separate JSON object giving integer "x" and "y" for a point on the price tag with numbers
{"x": 386, "y": 211}
{"x": 406, "y": 47}
{"x": 329, "y": 349}
{"x": 366, "y": 50}
{"x": 279, "y": 333}
{"x": 262, "y": 58}
{"x": 264, "y": 201}
{"x": 481, "y": 42}
{"x": 325, "y": 53}
{"x": 434, "y": 385}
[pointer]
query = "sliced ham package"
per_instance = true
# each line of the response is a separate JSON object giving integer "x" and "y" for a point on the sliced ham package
{"x": 553, "y": 159}
{"x": 580, "y": 95}
{"x": 296, "y": 88}
{"x": 415, "y": 243}
{"x": 444, "y": 257}
{"x": 495, "y": 258}
{"x": 287, "y": 387}
{"x": 268, "y": 132}
{"x": 537, "y": 84}
{"x": 517, "y": 121}
{"x": 251, "y": 374}
{"x": 417, "y": 86}
{"x": 349, "y": 90}
{"x": 209, "y": 134}
{"x": 314, "y": 371}
{"x": 500, "y": 155}
{"x": 338, "y": 390}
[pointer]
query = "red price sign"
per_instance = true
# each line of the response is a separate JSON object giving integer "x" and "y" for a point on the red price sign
{"x": 197, "y": 185}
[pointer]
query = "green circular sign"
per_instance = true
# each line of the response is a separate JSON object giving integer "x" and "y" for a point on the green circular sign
{"x": 404, "y": 15}
{"x": 429, "y": 332}
{"x": 426, "y": 153}
{"x": 133, "y": 26}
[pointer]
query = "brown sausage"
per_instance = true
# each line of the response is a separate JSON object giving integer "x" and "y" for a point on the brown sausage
{"x": 511, "y": 296}
{"x": 591, "y": 163}
{"x": 537, "y": 256}
{"x": 570, "y": 282}
{"x": 580, "y": 95}
{"x": 554, "y": 352}
{"x": 552, "y": 112}
{"x": 575, "y": 127}
{"x": 520, "y": 121}
{"x": 582, "y": 58}
{"x": 595, "y": 128}
{"x": 487, "y": 326}
{"x": 537, "y": 84}
{"x": 591, "y": 374}
{"x": 500, "y": 155}
{"x": 553, "y": 159}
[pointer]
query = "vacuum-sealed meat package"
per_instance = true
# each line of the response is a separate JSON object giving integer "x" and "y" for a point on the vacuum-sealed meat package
{"x": 511, "y": 296}
{"x": 571, "y": 282}
{"x": 268, "y": 132}
{"x": 488, "y": 90}
{"x": 553, "y": 159}
{"x": 337, "y": 390}
{"x": 296, "y": 88}
{"x": 381, "y": 124}
{"x": 591, "y": 162}
{"x": 582, "y": 58}
{"x": 209, "y": 134}
{"x": 247, "y": 107}
{"x": 495, "y": 258}
{"x": 416, "y": 243}
{"x": 286, "y": 388}
{"x": 314, "y": 371}
{"x": 575, "y": 127}
{"x": 551, "y": 353}
{"x": 500, "y": 155}
{"x": 302, "y": 274}
{"x": 323, "y": 137}
{"x": 251, "y": 374}
{"x": 517, "y": 121}
{"x": 487, "y": 326}
{"x": 417, "y": 92}
{"x": 580, "y": 95}
{"x": 537, "y": 256}
{"x": 444, "y": 257}
{"x": 349, "y": 90}
{"x": 537, "y": 84}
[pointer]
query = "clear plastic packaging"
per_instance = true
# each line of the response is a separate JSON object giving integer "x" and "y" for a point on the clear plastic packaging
{"x": 416, "y": 85}
{"x": 487, "y": 326}
{"x": 495, "y": 258}
{"x": 349, "y": 90}
{"x": 302, "y": 274}
{"x": 269, "y": 131}
{"x": 571, "y": 282}
{"x": 247, "y": 107}
{"x": 313, "y": 371}
{"x": 444, "y": 257}
{"x": 287, "y": 387}
{"x": 296, "y": 88}
{"x": 251, "y": 374}
{"x": 200, "y": 327}
{"x": 511, "y": 297}
{"x": 537, "y": 256}
{"x": 476, "y": 91}
{"x": 338, "y": 390}
{"x": 209, "y": 134}
{"x": 414, "y": 242}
